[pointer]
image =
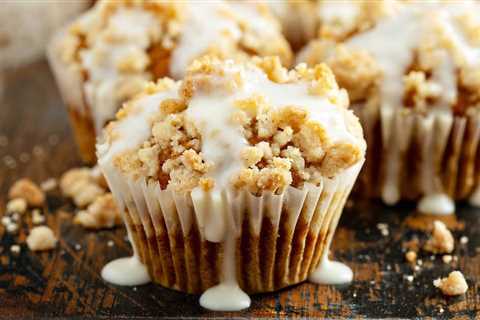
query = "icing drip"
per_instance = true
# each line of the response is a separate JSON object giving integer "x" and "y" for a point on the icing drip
{"x": 331, "y": 272}
{"x": 436, "y": 204}
{"x": 126, "y": 272}
{"x": 226, "y": 296}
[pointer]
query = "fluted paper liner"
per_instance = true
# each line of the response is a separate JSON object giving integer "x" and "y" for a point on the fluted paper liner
{"x": 279, "y": 239}
{"x": 411, "y": 154}
{"x": 70, "y": 79}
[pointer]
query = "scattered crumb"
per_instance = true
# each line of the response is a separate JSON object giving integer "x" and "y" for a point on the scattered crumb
{"x": 81, "y": 186}
{"x": 6, "y": 220}
{"x": 383, "y": 227}
{"x": 15, "y": 216}
{"x": 110, "y": 243}
{"x": 41, "y": 238}
{"x": 15, "y": 249}
{"x": 411, "y": 256}
{"x": 37, "y": 217}
{"x": 24, "y": 157}
{"x": 416, "y": 268}
{"x": 447, "y": 258}
{"x": 102, "y": 213}
{"x": 464, "y": 240}
{"x": 419, "y": 262}
{"x": 134, "y": 288}
{"x": 48, "y": 185}
{"x": 441, "y": 240}
{"x": 12, "y": 228}
{"x": 28, "y": 190}
{"x": 9, "y": 162}
{"x": 78, "y": 247}
{"x": 440, "y": 309}
{"x": 452, "y": 285}
{"x": 18, "y": 205}
{"x": 354, "y": 294}
{"x": 409, "y": 277}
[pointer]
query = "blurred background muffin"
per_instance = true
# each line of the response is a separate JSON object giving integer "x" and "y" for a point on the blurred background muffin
{"x": 104, "y": 57}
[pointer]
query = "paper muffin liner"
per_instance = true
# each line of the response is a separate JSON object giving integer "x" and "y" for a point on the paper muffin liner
{"x": 411, "y": 154}
{"x": 279, "y": 239}
{"x": 70, "y": 81}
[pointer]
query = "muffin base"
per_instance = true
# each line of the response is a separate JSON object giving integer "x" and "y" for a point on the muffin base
{"x": 411, "y": 155}
{"x": 279, "y": 239}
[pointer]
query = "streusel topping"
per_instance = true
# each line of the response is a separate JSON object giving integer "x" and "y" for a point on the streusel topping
{"x": 254, "y": 125}
{"x": 120, "y": 44}
{"x": 417, "y": 54}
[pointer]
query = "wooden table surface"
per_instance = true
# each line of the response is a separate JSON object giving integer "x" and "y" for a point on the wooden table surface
{"x": 35, "y": 142}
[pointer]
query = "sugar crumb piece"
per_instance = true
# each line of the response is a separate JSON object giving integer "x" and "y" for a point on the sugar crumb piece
{"x": 453, "y": 285}
{"x": 41, "y": 238}
{"x": 411, "y": 256}
{"x": 48, "y": 185}
{"x": 447, "y": 258}
{"x": 409, "y": 277}
{"x": 102, "y": 213}
{"x": 15, "y": 249}
{"x": 6, "y": 220}
{"x": 18, "y": 205}
{"x": 464, "y": 240}
{"x": 81, "y": 185}
{"x": 110, "y": 243}
{"x": 383, "y": 227}
{"x": 78, "y": 247}
{"x": 441, "y": 240}
{"x": 12, "y": 228}
{"x": 37, "y": 217}
{"x": 28, "y": 190}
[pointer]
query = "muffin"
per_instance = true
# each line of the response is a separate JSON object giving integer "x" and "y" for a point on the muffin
{"x": 412, "y": 70}
{"x": 235, "y": 177}
{"x": 103, "y": 58}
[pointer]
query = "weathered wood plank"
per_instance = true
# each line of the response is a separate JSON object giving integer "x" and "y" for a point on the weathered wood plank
{"x": 66, "y": 281}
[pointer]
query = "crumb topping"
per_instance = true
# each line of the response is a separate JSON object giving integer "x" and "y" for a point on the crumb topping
{"x": 82, "y": 185}
{"x": 118, "y": 45}
{"x": 234, "y": 124}
{"x": 434, "y": 62}
{"x": 453, "y": 285}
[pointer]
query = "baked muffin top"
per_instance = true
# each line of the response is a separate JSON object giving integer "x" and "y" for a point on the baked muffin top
{"x": 253, "y": 125}
{"x": 117, "y": 45}
{"x": 420, "y": 55}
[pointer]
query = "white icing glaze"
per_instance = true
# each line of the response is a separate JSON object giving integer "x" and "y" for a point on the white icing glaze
{"x": 130, "y": 27}
{"x": 126, "y": 272}
{"x": 436, "y": 204}
{"x": 331, "y": 272}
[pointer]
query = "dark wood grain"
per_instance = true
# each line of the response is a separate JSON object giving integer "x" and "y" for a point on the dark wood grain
{"x": 67, "y": 282}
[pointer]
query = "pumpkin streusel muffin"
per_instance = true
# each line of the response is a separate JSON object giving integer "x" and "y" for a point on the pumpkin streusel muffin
{"x": 412, "y": 70}
{"x": 103, "y": 58}
{"x": 235, "y": 177}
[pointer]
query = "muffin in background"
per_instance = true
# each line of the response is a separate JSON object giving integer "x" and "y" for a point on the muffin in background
{"x": 412, "y": 70}
{"x": 235, "y": 177}
{"x": 26, "y": 27}
{"x": 104, "y": 57}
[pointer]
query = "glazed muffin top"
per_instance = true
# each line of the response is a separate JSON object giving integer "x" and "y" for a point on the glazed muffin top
{"x": 421, "y": 55}
{"x": 254, "y": 126}
{"x": 119, "y": 44}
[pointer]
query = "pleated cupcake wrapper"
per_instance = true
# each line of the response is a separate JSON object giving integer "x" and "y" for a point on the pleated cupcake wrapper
{"x": 411, "y": 154}
{"x": 279, "y": 239}
{"x": 70, "y": 81}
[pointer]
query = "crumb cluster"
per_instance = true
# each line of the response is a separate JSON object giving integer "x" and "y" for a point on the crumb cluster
{"x": 359, "y": 72}
{"x": 441, "y": 241}
{"x": 453, "y": 285}
{"x": 284, "y": 147}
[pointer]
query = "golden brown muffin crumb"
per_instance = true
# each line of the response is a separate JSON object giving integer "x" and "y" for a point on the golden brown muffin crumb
{"x": 102, "y": 213}
{"x": 81, "y": 186}
{"x": 28, "y": 190}
{"x": 18, "y": 205}
{"x": 453, "y": 285}
{"x": 41, "y": 238}
{"x": 441, "y": 240}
